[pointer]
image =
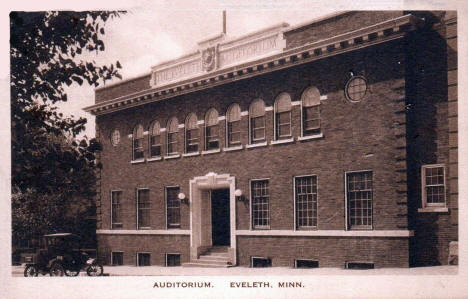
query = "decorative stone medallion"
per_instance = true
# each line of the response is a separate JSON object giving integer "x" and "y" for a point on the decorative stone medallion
{"x": 209, "y": 59}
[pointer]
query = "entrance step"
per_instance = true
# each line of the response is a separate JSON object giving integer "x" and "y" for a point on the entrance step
{"x": 204, "y": 265}
{"x": 218, "y": 249}
{"x": 215, "y": 257}
{"x": 220, "y": 254}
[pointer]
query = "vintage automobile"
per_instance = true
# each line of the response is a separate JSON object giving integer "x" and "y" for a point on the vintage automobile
{"x": 60, "y": 255}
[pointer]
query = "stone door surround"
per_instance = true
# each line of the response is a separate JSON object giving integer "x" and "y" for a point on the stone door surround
{"x": 200, "y": 212}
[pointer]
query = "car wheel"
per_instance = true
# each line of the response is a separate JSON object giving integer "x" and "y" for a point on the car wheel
{"x": 94, "y": 270}
{"x": 56, "y": 270}
{"x": 74, "y": 272}
{"x": 31, "y": 271}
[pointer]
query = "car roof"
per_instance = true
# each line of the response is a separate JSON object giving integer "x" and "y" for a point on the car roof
{"x": 59, "y": 235}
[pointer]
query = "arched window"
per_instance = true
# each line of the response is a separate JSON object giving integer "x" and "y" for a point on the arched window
{"x": 233, "y": 117}
{"x": 283, "y": 116}
{"x": 138, "y": 152}
{"x": 310, "y": 102}
{"x": 257, "y": 121}
{"x": 211, "y": 130}
{"x": 191, "y": 134}
{"x": 172, "y": 129}
{"x": 155, "y": 139}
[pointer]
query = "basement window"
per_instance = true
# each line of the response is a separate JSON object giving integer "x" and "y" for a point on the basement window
{"x": 143, "y": 259}
{"x": 117, "y": 258}
{"x": 359, "y": 265}
{"x": 305, "y": 264}
{"x": 172, "y": 259}
{"x": 260, "y": 262}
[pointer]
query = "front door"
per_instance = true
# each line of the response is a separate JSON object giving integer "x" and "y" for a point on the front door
{"x": 220, "y": 222}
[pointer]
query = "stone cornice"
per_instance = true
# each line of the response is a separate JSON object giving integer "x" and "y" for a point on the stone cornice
{"x": 350, "y": 41}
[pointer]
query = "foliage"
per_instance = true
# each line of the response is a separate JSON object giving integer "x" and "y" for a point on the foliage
{"x": 53, "y": 175}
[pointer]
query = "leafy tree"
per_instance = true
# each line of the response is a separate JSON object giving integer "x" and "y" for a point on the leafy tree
{"x": 53, "y": 175}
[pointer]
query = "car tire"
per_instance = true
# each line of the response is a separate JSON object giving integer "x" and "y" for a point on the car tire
{"x": 74, "y": 272}
{"x": 94, "y": 270}
{"x": 56, "y": 270}
{"x": 31, "y": 271}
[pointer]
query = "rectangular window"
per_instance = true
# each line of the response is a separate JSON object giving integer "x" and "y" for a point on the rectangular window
{"x": 260, "y": 262}
{"x": 283, "y": 124}
{"x": 311, "y": 120}
{"x": 359, "y": 265}
{"x": 234, "y": 133}
{"x": 257, "y": 127}
{"x": 172, "y": 207}
{"x": 300, "y": 264}
{"x": 144, "y": 208}
{"x": 171, "y": 143}
{"x": 155, "y": 146}
{"x": 433, "y": 186}
{"x": 306, "y": 201}
{"x": 117, "y": 258}
{"x": 260, "y": 204}
{"x": 191, "y": 141}
{"x": 212, "y": 139}
{"x": 172, "y": 259}
{"x": 359, "y": 199}
{"x": 144, "y": 259}
{"x": 138, "y": 152}
{"x": 116, "y": 213}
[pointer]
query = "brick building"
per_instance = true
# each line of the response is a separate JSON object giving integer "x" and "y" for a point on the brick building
{"x": 330, "y": 144}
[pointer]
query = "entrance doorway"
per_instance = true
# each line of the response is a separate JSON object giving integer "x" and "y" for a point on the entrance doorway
{"x": 220, "y": 218}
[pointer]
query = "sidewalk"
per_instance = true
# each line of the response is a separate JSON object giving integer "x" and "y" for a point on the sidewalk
{"x": 183, "y": 271}
{"x": 17, "y": 271}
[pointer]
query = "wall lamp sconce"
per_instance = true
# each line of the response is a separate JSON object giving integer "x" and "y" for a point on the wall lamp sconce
{"x": 238, "y": 195}
{"x": 182, "y": 198}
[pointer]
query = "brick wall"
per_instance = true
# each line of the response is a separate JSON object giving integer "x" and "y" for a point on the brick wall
{"x": 130, "y": 245}
{"x": 357, "y": 136}
{"x": 339, "y": 24}
{"x": 118, "y": 90}
{"x": 328, "y": 251}
{"x": 432, "y": 133}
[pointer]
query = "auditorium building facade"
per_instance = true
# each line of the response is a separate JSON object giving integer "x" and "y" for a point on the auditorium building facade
{"x": 328, "y": 144}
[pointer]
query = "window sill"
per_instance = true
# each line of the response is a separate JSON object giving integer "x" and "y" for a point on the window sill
{"x": 233, "y": 148}
{"x": 306, "y": 228}
{"x": 154, "y": 159}
{"x": 174, "y": 227}
{"x": 267, "y": 227}
{"x": 256, "y": 145}
{"x": 137, "y": 161}
{"x": 214, "y": 151}
{"x": 144, "y": 228}
{"x": 172, "y": 156}
{"x": 433, "y": 210}
{"x": 360, "y": 228}
{"x": 316, "y": 136}
{"x": 191, "y": 154}
{"x": 283, "y": 141}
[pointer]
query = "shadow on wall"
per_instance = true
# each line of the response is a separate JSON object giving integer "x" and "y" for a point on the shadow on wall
{"x": 427, "y": 134}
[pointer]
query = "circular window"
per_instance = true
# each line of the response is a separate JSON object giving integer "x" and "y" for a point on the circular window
{"x": 356, "y": 89}
{"x": 115, "y": 137}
